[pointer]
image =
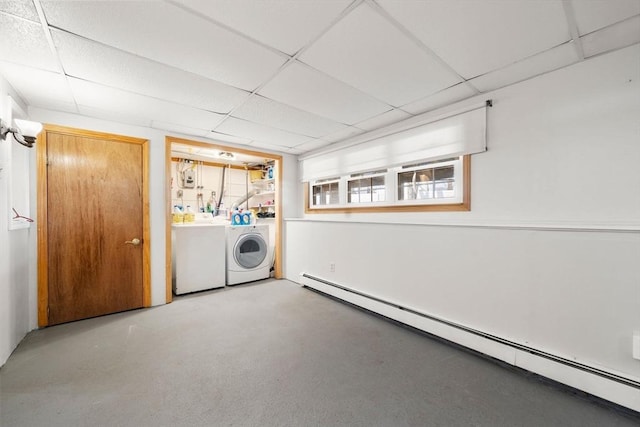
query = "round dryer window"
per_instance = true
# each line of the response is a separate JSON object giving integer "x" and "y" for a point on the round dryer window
{"x": 250, "y": 250}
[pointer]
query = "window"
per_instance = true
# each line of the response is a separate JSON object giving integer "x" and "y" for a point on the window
{"x": 367, "y": 187}
{"x": 425, "y": 181}
{"x": 431, "y": 185}
{"x": 326, "y": 192}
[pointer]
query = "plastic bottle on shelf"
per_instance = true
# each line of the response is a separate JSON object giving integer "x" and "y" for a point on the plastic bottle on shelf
{"x": 189, "y": 215}
{"x": 178, "y": 215}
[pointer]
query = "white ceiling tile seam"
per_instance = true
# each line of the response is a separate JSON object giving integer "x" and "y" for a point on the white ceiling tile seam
{"x": 573, "y": 27}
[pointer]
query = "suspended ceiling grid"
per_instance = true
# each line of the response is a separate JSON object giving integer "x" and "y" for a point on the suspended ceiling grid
{"x": 290, "y": 76}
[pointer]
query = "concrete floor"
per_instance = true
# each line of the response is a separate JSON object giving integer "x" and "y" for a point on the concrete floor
{"x": 270, "y": 354}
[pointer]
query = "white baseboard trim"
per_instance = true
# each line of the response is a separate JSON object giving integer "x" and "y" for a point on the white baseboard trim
{"x": 609, "y": 386}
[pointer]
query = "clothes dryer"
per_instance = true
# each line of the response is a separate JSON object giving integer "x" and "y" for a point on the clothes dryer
{"x": 248, "y": 255}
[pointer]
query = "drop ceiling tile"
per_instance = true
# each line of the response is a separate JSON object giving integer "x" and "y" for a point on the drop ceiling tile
{"x": 104, "y": 98}
{"x": 23, "y": 42}
{"x": 371, "y": 54}
{"x": 114, "y": 116}
{"x": 383, "y": 119}
{"x": 613, "y": 37}
{"x": 177, "y": 128}
{"x": 37, "y": 87}
{"x": 270, "y": 146}
{"x": 549, "y": 60}
{"x": 298, "y": 22}
{"x": 88, "y": 60}
{"x": 170, "y": 35}
{"x": 259, "y": 132}
{"x": 275, "y": 114}
{"x": 23, "y": 9}
{"x": 343, "y": 134}
{"x": 310, "y": 90}
{"x": 596, "y": 14}
{"x": 475, "y": 37}
{"x": 309, "y": 146}
{"x": 448, "y": 96}
{"x": 233, "y": 139}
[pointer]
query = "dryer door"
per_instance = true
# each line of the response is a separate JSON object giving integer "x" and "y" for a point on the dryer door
{"x": 250, "y": 251}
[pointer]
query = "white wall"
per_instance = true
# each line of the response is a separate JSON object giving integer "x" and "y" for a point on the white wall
{"x": 18, "y": 287}
{"x": 16, "y": 258}
{"x": 549, "y": 254}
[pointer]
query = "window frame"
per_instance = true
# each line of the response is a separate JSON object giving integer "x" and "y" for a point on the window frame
{"x": 462, "y": 202}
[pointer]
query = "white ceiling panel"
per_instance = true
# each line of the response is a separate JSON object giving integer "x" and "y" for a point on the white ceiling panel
{"x": 89, "y": 94}
{"x": 549, "y": 60}
{"x": 98, "y": 63}
{"x": 475, "y": 37}
{"x": 309, "y": 90}
{"x": 448, "y": 96}
{"x": 363, "y": 42}
{"x": 24, "y": 42}
{"x": 383, "y": 120}
{"x": 178, "y": 128}
{"x": 38, "y": 85}
{"x": 298, "y": 22}
{"x": 275, "y": 114}
{"x": 593, "y": 15}
{"x": 615, "y": 36}
{"x": 233, "y": 139}
{"x": 114, "y": 116}
{"x": 343, "y": 134}
{"x": 258, "y": 132}
{"x": 270, "y": 146}
{"x": 168, "y": 34}
{"x": 23, "y": 9}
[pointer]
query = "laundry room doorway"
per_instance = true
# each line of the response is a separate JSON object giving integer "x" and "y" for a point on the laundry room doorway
{"x": 210, "y": 178}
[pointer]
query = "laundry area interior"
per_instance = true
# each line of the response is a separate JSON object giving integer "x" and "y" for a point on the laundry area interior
{"x": 223, "y": 217}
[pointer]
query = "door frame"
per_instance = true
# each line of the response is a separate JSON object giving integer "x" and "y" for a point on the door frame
{"x": 278, "y": 200}
{"x": 42, "y": 198}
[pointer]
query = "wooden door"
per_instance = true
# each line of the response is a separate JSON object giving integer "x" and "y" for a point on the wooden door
{"x": 94, "y": 217}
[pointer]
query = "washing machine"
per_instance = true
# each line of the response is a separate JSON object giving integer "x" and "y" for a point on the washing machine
{"x": 248, "y": 255}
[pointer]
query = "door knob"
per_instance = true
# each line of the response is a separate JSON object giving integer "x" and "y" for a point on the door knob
{"x": 134, "y": 242}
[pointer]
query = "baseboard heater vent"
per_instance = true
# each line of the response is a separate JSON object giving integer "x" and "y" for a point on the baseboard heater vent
{"x": 531, "y": 350}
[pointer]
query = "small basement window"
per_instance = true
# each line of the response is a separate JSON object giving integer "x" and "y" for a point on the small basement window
{"x": 367, "y": 187}
{"x": 326, "y": 192}
{"x": 441, "y": 185}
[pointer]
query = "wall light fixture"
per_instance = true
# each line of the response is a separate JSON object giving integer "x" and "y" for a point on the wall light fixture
{"x": 25, "y": 131}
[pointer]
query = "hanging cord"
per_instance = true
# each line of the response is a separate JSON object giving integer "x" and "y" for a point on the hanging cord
{"x": 18, "y": 216}
{"x": 221, "y": 189}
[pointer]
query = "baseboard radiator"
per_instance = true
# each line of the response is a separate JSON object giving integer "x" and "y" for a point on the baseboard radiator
{"x": 607, "y": 385}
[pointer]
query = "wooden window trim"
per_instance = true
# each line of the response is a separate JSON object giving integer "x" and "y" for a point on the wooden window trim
{"x": 465, "y": 205}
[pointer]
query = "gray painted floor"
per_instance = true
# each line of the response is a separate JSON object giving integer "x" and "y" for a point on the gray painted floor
{"x": 269, "y": 354}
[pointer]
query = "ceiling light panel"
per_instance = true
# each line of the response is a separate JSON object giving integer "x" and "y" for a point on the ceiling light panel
{"x": 40, "y": 88}
{"x": 444, "y": 97}
{"x": 596, "y": 14}
{"x": 475, "y": 37}
{"x": 298, "y": 22}
{"x": 170, "y": 35}
{"x": 102, "y": 64}
{"x": 23, "y": 42}
{"x": 310, "y": 90}
{"x": 369, "y": 53}
{"x": 272, "y": 113}
{"x": 549, "y": 60}
{"x": 93, "y": 95}
{"x": 259, "y": 132}
{"x": 23, "y": 9}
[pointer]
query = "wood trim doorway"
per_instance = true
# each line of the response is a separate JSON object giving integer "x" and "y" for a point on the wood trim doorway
{"x": 278, "y": 200}
{"x": 51, "y": 132}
